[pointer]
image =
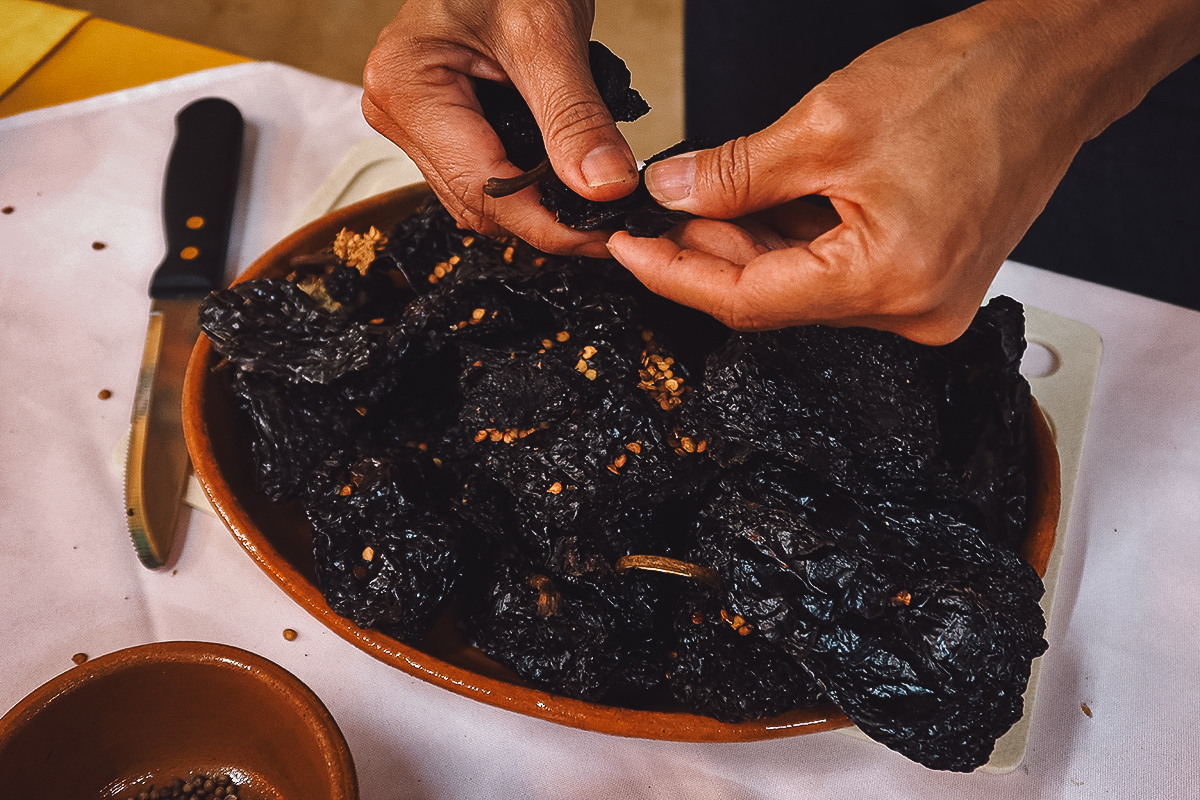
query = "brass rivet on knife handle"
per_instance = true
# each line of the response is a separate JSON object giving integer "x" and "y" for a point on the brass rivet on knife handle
{"x": 671, "y": 566}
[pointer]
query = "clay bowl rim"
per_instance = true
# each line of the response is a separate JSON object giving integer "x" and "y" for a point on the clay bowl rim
{"x": 318, "y": 720}
{"x": 510, "y": 693}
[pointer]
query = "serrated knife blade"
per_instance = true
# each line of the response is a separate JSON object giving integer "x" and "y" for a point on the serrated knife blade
{"x": 198, "y": 201}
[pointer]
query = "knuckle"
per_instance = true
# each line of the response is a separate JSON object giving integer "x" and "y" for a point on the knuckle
{"x": 569, "y": 115}
{"x": 539, "y": 22}
{"x": 376, "y": 117}
{"x": 726, "y": 312}
{"x": 522, "y": 21}
{"x": 938, "y": 328}
{"x": 739, "y": 311}
{"x": 375, "y": 75}
{"x": 736, "y": 319}
{"x": 826, "y": 116}
{"x": 731, "y": 171}
{"x": 922, "y": 302}
{"x": 909, "y": 293}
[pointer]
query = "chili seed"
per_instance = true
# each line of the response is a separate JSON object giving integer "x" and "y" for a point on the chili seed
{"x": 197, "y": 788}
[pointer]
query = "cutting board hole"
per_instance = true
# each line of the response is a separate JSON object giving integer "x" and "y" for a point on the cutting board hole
{"x": 1040, "y": 360}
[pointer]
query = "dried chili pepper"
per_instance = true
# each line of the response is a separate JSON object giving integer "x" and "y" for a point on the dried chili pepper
{"x": 530, "y": 419}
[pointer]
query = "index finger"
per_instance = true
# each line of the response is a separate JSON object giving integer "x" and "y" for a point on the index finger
{"x": 772, "y": 288}
{"x": 457, "y": 151}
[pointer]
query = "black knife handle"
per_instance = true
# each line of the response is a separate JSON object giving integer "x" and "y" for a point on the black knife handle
{"x": 198, "y": 199}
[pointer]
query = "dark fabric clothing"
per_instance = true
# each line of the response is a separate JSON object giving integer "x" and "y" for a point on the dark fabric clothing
{"x": 1127, "y": 213}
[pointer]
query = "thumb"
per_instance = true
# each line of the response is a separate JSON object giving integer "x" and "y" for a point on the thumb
{"x": 739, "y": 177}
{"x": 583, "y": 143}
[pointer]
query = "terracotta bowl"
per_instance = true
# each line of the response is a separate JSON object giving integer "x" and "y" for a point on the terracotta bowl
{"x": 113, "y": 726}
{"x": 280, "y": 539}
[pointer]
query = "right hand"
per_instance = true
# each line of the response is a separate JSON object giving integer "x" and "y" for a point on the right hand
{"x": 937, "y": 149}
{"x": 418, "y": 92}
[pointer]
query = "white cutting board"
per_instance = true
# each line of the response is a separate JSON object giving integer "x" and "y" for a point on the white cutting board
{"x": 1061, "y": 365}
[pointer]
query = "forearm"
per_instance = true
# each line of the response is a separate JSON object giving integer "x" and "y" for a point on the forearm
{"x": 1098, "y": 58}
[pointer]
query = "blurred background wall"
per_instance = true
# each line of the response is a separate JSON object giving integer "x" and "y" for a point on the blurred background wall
{"x": 333, "y": 37}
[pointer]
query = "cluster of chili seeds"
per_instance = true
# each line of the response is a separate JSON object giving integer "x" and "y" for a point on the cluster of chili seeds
{"x": 198, "y": 787}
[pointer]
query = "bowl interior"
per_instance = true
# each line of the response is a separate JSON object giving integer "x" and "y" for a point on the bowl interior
{"x": 115, "y": 725}
{"x": 279, "y": 538}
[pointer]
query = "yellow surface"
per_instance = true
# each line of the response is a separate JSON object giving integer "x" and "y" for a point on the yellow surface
{"x": 98, "y": 57}
{"x": 29, "y": 32}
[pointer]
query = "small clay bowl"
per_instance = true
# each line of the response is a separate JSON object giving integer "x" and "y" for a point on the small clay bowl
{"x": 279, "y": 537}
{"x": 115, "y": 725}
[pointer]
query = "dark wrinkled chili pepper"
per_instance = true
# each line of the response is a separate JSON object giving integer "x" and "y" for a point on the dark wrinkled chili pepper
{"x": 638, "y": 213}
{"x": 530, "y": 420}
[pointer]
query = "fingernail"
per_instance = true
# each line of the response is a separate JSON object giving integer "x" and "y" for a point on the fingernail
{"x": 671, "y": 180}
{"x": 608, "y": 164}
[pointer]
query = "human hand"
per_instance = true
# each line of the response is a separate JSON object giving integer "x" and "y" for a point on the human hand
{"x": 418, "y": 92}
{"x": 937, "y": 149}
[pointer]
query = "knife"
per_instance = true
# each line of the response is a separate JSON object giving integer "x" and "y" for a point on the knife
{"x": 198, "y": 199}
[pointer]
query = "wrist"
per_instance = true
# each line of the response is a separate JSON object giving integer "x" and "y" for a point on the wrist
{"x": 1092, "y": 61}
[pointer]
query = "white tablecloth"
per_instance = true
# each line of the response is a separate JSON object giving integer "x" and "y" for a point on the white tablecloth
{"x": 1124, "y": 634}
